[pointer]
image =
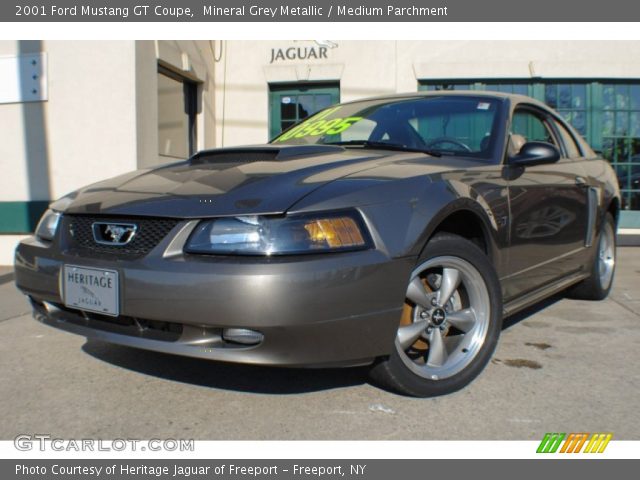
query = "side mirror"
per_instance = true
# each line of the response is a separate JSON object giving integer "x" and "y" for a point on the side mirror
{"x": 535, "y": 153}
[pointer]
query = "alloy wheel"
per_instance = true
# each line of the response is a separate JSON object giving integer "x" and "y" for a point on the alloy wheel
{"x": 445, "y": 319}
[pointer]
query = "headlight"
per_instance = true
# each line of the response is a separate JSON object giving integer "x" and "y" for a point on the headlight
{"x": 47, "y": 225}
{"x": 263, "y": 235}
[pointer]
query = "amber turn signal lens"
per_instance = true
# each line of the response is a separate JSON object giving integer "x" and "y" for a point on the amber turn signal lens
{"x": 280, "y": 235}
{"x": 338, "y": 232}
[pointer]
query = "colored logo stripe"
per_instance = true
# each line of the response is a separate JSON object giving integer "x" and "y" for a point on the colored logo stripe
{"x": 550, "y": 442}
{"x": 598, "y": 443}
{"x": 574, "y": 442}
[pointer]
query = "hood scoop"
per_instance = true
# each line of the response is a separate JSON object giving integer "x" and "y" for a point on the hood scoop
{"x": 262, "y": 153}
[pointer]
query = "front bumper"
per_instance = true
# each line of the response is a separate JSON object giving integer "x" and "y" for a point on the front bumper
{"x": 332, "y": 309}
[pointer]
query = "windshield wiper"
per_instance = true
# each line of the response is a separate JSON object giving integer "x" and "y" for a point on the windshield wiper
{"x": 386, "y": 146}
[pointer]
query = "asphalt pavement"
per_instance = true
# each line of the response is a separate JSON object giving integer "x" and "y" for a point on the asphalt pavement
{"x": 563, "y": 366}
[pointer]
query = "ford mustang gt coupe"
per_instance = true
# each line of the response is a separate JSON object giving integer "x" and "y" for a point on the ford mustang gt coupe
{"x": 394, "y": 232}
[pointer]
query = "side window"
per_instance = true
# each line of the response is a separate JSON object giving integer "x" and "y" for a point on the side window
{"x": 569, "y": 142}
{"x": 527, "y": 126}
{"x": 532, "y": 127}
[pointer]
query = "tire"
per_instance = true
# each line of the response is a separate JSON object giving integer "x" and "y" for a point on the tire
{"x": 450, "y": 324}
{"x": 599, "y": 283}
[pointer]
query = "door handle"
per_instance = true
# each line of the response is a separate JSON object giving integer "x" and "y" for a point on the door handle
{"x": 581, "y": 181}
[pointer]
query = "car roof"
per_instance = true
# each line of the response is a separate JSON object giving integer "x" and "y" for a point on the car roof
{"x": 512, "y": 97}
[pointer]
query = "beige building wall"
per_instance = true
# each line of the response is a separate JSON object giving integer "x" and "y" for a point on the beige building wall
{"x": 100, "y": 118}
{"x": 192, "y": 59}
{"x": 368, "y": 68}
{"x": 82, "y": 133}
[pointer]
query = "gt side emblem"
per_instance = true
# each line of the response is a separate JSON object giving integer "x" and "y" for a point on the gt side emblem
{"x": 116, "y": 234}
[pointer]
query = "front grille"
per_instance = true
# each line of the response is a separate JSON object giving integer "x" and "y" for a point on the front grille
{"x": 150, "y": 232}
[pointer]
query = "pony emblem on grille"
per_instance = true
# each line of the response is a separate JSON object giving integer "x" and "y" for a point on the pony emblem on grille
{"x": 116, "y": 234}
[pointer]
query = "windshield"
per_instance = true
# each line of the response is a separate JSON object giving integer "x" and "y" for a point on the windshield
{"x": 441, "y": 125}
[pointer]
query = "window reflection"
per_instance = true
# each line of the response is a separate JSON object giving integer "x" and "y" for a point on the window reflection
{"x": 607, "y": 114}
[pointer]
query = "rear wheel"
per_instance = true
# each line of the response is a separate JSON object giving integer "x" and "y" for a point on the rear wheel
{"x": 450, "y": 322}
{"x": 599, "y": 283}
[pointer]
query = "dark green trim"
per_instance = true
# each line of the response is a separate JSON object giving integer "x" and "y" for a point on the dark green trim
{"x": 21, "y": 217}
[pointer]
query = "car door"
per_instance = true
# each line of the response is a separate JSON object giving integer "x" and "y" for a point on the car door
{"x": 548, "y": 208}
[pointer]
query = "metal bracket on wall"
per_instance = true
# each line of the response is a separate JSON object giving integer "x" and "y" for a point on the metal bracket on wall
{"x": 23, "y": 78}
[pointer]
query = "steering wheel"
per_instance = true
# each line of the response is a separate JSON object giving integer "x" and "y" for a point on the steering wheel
{"x": 450, "y": 140}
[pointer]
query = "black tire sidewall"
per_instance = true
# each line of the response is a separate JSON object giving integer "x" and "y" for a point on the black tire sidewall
{"x": 599, "y": 292}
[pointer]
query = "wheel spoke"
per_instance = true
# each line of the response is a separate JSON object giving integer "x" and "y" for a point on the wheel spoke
{"x": 447, "y": 316}
{"x": 437, "y": 351}
{"x": 448, "y": 285}
{"x": 463, "y": 320}
{"x": 408, "y": 335}
{"x": 418, "y": 294}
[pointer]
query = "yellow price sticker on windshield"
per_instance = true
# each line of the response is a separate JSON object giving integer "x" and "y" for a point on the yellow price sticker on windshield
{"x": 318, "y": 125}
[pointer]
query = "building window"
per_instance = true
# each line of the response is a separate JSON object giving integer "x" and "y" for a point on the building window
{"x": 570, "y": 100}
{"x": 606, "y": 113}
{"x": 290, "y": 103}
{"x": 437, "y": 87}
{"x": 177, "y": 97}
{"x": 620, "y": 120}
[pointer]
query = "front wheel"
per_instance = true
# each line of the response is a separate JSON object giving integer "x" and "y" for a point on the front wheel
{"x": 450, "y": 324}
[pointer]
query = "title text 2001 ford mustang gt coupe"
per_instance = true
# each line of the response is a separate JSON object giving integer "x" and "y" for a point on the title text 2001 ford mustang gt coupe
{"x": 395, "y": 232}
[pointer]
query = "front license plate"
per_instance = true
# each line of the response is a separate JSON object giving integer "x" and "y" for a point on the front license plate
{"x": 91, "y": 289}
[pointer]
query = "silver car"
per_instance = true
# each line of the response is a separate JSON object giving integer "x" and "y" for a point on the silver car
{"x": 394, "y": 232}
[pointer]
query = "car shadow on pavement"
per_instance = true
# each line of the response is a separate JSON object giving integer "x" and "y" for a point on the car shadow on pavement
{"x": 532, "y": 310}
{"x": 227, "y": 376}
{"x": 250, "y": 378}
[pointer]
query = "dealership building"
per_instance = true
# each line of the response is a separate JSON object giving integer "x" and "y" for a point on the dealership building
{"x": 75, "y": 112}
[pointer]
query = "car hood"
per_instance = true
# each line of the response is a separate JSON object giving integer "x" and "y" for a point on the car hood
{"x": 257, "y": 180}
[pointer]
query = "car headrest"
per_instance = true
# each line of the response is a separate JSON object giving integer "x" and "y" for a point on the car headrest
{"x": 516, "y": 142}
{"x": 484, "y": 143}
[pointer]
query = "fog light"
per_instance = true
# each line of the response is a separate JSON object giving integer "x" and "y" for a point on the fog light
{"x": 242, "y": 335}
